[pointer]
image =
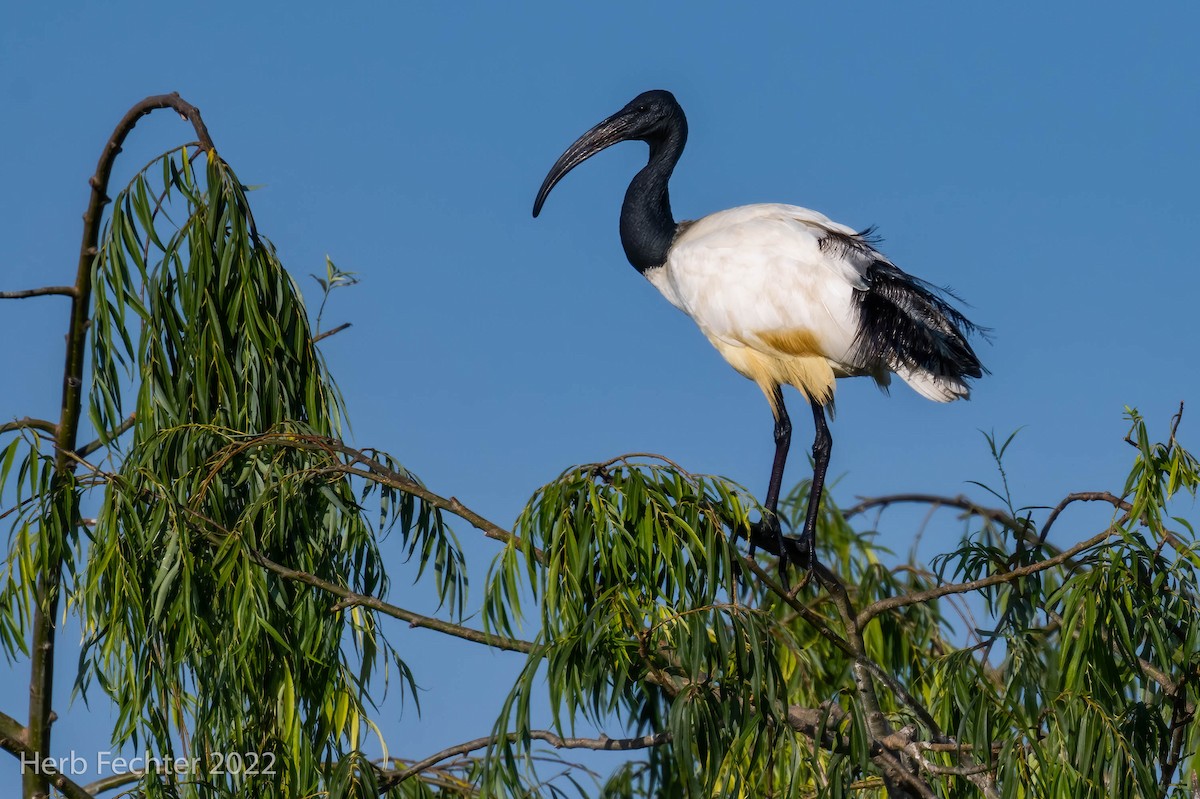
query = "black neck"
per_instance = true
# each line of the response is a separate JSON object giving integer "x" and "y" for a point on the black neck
{"x": 647, "y": 226}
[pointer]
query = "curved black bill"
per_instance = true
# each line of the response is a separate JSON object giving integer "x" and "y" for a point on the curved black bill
{"x": 606, "y": 134}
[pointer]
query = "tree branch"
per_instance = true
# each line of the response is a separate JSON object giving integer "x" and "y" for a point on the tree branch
{"x": 14, "y": 740}
{"x": 1081, "y": 496}
{"x": 820, "y": 725}
{"x": 65, "y": 291}
{"x": 380, "y": 473}
{"x": 331, "y": 332}
{"x": 112, "y": 781}
{"x": 919, "y": 597}
{"x": 601, "y": 744}
{"x": 894, "y": 771}
{"x": 29, "y": 423}
{"x": 92, "y": 446}
{"x": 414, "y": 619}
{"x": 936, "y": 500}
{"x": 41, "y": 668}
{"x": 207, "y": 526}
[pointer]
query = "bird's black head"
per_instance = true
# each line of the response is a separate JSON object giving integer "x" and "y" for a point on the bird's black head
{"x": 653, "y": 117}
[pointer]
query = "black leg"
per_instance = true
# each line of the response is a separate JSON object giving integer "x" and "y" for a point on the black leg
{"x": 783, "y": 440}
{"x": 822, "y": 447}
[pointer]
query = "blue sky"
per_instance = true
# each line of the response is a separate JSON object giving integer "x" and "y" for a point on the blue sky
{"x": 1040, "y": 159}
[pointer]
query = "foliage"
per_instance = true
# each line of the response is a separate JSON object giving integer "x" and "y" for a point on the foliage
{"x": 1085, "y": 685}
{"x": 233, "y": 596}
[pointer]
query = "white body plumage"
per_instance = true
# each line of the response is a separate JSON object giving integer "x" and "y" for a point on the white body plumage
{"x": 775, "y": 295}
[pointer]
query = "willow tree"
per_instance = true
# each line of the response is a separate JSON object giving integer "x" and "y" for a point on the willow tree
{"x": 232, "y": 597}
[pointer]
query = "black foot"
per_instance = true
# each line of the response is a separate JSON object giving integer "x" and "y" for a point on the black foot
{"x": 768, "y": 534}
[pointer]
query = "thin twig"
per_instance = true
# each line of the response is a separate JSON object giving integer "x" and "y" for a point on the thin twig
{"x": 122, "y": 428}
{"x": 601, "y": 744}
{"x": 628, "y": 458}
{"x": 331, "y": 332}
{"x": 1081, "y": 496}
{"x": 920, "y": 597}
{"x": 961, "y": 502}
{"x": 1176, "y": 418}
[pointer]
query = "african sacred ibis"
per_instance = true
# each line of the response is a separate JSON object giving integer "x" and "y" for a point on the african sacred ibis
{"x": 785, "y": 294}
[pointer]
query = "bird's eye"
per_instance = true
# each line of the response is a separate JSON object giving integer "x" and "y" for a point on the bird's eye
{"x": 643, "y": 108}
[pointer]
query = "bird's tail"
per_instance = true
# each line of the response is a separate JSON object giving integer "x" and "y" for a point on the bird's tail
{"x": 908, "y": 325}
{"x": 938, "y": 388}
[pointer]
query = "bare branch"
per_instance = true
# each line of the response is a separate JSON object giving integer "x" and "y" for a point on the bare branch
{"x": 11, "y": 729}
{"x": 820, "y": 725}
{"x": 64, "y": 291}
{"x": 628, "y": 460}
{"x": 14, "y": 739}
{"x": 124, "y": 427}
{"x": 877, "y": 723}
{"x": 1081, "y": 496}
{"x": 29, "y": 423}
{"x": 898, "y": 779}
{"x": 112, "y": 781}
{"x": 601, "y": 744}
{"x": 978, "y": 773}
{"x": 919, "y": 597}
{"x": 1175, "y": 420}
{"x": 936, "y": 500}
{"x": 331, "y": 332}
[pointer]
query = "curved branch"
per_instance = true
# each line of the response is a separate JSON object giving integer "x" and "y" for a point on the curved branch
{"x": 41, "y": 668}
{"x": 207, "y": 526}
{"x": 380, "y": 473}
{"x": 29, "y": 423}
{"x": 996, "y": 515}
{"x": 80, "y": 306}
{"x": 601, "y": 744}
{"x": 350, "y": 598}
{"x": 1081, "y": 496}
{"x": 81, "y": 303}
{"x": 936, "y": 500}
{"x": 918, "y": 597}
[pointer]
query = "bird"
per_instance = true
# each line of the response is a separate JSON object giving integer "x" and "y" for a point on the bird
{"x": 786, "y": 295}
